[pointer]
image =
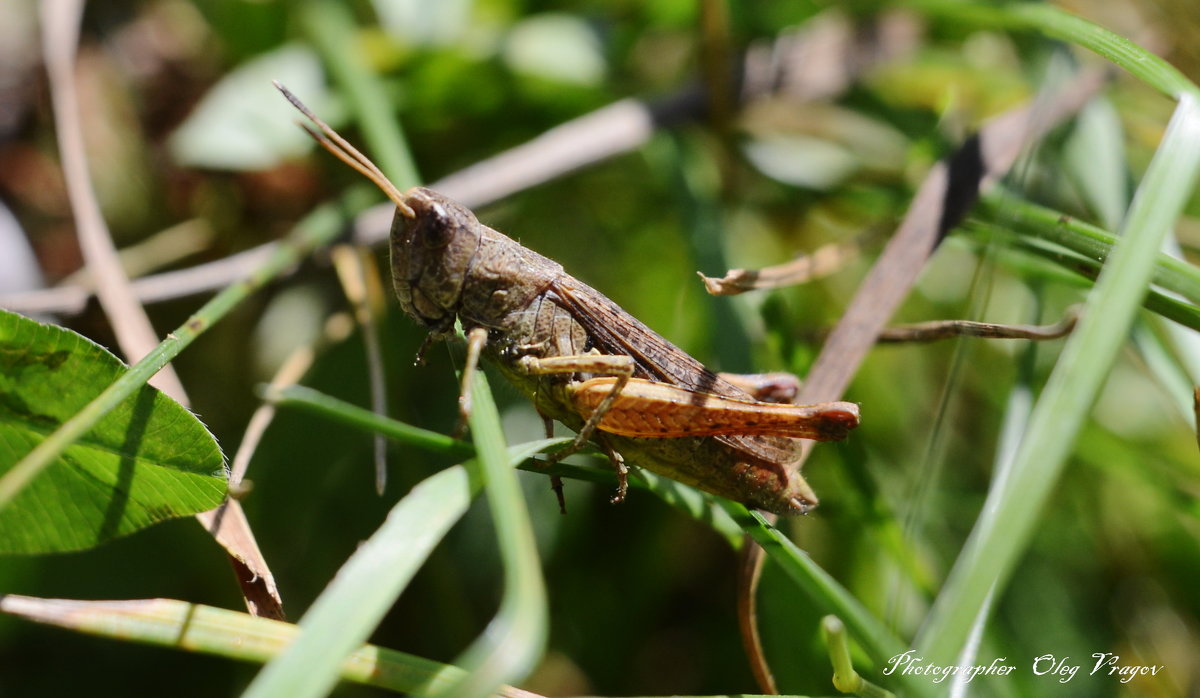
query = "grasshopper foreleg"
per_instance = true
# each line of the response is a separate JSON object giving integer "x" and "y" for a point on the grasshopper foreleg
{"x": 476, "y": 339}
{"x": 556, "y": 482}
{"x": 419, "y": 359}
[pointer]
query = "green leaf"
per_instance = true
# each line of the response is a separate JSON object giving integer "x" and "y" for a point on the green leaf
{"x": 242, "y": 124}
{"x": 146, "y": 461}
{"x": 556, "y": 47}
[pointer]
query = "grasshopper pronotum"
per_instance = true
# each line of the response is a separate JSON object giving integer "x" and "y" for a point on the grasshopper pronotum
{"x": 584, "y": 361}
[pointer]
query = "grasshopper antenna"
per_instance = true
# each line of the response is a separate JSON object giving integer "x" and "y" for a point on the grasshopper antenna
{"x": 342, "y": 150}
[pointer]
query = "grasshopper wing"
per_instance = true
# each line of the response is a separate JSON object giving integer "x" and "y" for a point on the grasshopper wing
{"x": 614, "y": 331}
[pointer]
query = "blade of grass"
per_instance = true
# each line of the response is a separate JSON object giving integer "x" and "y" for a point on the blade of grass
{"x": 352, "y": 415}
{"x": 823, "y": 590}
{"x": 1183, "y": 313}
{"x": 317, "y": 229}
{"x": 1031, "y": 220}
{"x": 225, "y": 633}
{"x": 331, "y": 28}
{"x": 1094, "y": 159}
{"x": 1168, "y": 365}
{"x": 1172, "y": 273}
{"x": 700, "y": 505}
{"x": 514, "y": 640}
{"x": 1185, "y": 346}
{"x": 1017, "y": 412}
{"x": 1060, "y": 24}
{"x": 1009, "y": 516}
{"x": 350, "y": 608}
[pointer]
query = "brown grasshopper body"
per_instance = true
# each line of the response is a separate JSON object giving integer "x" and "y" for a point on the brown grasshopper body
{"x": 448, "y": 265}
{"x": 587, "y": 363}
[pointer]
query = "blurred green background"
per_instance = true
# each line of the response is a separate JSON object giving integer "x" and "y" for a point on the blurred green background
{"x": 642, "y": 597}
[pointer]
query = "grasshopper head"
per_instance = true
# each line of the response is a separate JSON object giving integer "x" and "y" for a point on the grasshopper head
{"x": 433, "y": 238}
{"x": 432, "y": 251}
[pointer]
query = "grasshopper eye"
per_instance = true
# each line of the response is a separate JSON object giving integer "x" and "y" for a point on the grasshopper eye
{"x": 438, "y": 227}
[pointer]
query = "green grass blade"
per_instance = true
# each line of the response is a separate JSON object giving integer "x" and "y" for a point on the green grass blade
{"x": 1186, "y": 314}
{"x": 868, "y": 631}
{"x": 823, "y": 589}
{"x": 700, "y": 505}
{"x": 1038, "y": 222}
{"x": 514, "y": 640}
{"x": 1017, "y": 413}
{"x": 350, "y": 608}
{"x": 1060, "y": 24}
{"x": 1094, "y": 158}
{"x": 330, "y": 26}
{"x": 224, "y": 633}
{"x": 1011, "y": 513}
{"x": 316, "y": 402}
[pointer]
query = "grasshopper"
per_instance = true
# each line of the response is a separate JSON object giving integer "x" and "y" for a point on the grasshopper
{"x": 585, "y": 362}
